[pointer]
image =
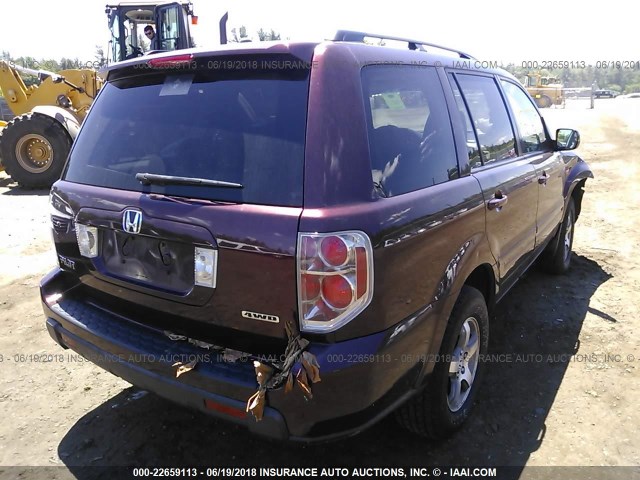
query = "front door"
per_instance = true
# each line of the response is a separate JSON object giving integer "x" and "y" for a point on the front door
{"x": 536, "y": 146}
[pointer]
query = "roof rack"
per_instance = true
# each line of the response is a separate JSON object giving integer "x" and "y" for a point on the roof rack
{"x": 353, "y": 36}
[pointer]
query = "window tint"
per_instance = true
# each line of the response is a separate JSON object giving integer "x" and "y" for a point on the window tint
{"x": 490, "y": 117}
{"x": 529, "y": 123}
{"x": 239, "y": 127}
{"x": 472, "y": 143}
{"x": 410, "y": 137}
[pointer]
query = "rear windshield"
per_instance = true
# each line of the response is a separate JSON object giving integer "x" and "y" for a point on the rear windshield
{"x": 245, "y": 127}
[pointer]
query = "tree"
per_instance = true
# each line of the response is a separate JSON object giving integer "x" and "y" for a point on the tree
{"x": 49, "y": 65}
{"x": 27, "y": 62}
{"x": 266, "y": 36}
{"x": 100, "y": 58}
{"x": 65, "y": 64}
{"x": 239, "y": 35}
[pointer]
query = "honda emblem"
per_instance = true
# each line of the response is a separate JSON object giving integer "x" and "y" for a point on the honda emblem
{"x": 132, "y": 221}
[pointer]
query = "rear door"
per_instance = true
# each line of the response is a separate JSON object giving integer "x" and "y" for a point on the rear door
{"x": 508, "y": 181}
{"x": 245, "y": 128}
{"x": 172, "y": 27}
{"x": 536, "y": 145}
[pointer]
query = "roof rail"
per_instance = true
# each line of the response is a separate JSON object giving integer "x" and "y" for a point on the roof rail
{"x": 353, "y": 36}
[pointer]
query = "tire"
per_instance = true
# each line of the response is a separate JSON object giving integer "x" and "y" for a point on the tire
{"x": 34, "y": 149}
{"x": 445, "y": 404}
{"x": 5, "y": 111}
{"x": 558, "y": 260}
{"x": 544, "y": 101}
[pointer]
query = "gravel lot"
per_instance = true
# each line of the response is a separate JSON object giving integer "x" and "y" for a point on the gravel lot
{"x": 563, "y": 394}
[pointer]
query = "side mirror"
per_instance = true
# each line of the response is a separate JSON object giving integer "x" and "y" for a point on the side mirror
{"x": 567, "y": 139}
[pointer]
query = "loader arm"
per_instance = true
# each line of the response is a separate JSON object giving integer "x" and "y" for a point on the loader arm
{"x": 22, "y": 99}
{"x": 16, "y": 93}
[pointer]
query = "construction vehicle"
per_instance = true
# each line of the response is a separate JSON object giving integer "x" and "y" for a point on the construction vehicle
{"x": 34, "y": 145}
{"x": 128, "y": 19}
{"x": 545, "y": 91}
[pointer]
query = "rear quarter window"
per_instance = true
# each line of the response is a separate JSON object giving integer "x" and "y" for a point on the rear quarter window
{"x": 409, "y": 129}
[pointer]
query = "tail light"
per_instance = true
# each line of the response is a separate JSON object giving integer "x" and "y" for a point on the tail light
{"x": 335, "y": 279}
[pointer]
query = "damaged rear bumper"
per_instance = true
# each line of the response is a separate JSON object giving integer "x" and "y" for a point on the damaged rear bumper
{"x": 362, "y": 380}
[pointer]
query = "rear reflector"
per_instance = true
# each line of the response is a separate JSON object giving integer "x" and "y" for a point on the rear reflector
{"x": 225, "y": 409}
{"x": 335, "y": 279}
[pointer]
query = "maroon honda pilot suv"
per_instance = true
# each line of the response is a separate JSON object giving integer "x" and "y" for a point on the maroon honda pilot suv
{"x": 304, "y": 237}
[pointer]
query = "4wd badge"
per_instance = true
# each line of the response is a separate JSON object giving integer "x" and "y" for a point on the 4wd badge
{"x": 261, "y": 316}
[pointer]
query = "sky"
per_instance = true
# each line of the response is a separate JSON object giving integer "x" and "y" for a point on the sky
{"x": 493, "y": 30}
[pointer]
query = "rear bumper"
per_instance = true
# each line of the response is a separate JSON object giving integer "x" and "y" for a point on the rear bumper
{"x": 362, "y": 379}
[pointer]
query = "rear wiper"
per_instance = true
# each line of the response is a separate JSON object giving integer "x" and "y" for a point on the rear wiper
{"x": 188, "y": 200}
{"x": 154, "y": 179}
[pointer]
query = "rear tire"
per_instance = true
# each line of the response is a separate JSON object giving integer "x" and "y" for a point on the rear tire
{"x": 34, "y": 149}
{"x": 446, "y": 402}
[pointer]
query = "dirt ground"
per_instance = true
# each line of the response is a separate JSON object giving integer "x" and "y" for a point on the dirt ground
{"x": 564, "y": 392}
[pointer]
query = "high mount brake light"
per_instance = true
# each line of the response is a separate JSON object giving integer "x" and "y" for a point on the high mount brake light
{"x": 171, "y": 62}
{"x": 335, "y": 278}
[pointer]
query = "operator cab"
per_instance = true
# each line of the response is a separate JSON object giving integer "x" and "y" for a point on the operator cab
{"x": 127, "y": 21}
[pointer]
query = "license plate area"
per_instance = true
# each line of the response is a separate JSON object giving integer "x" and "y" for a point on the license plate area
{"x": 152, "y": 261}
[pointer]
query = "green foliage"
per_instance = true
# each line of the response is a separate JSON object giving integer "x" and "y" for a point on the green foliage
{"x": 240, "y": 35}
{"x": 632, "y": 88}
{"x": 50, "y": 65}
{"x": 267, "y": 36}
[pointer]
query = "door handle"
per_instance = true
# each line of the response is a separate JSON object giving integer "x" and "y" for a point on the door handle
{"x": 542, "y": 179}
{"x": 498, "y": 201}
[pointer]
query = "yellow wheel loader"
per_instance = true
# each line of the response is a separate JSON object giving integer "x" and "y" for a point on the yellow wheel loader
{"x": 34, "y": 145}
{"x": 545, "y": 91}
